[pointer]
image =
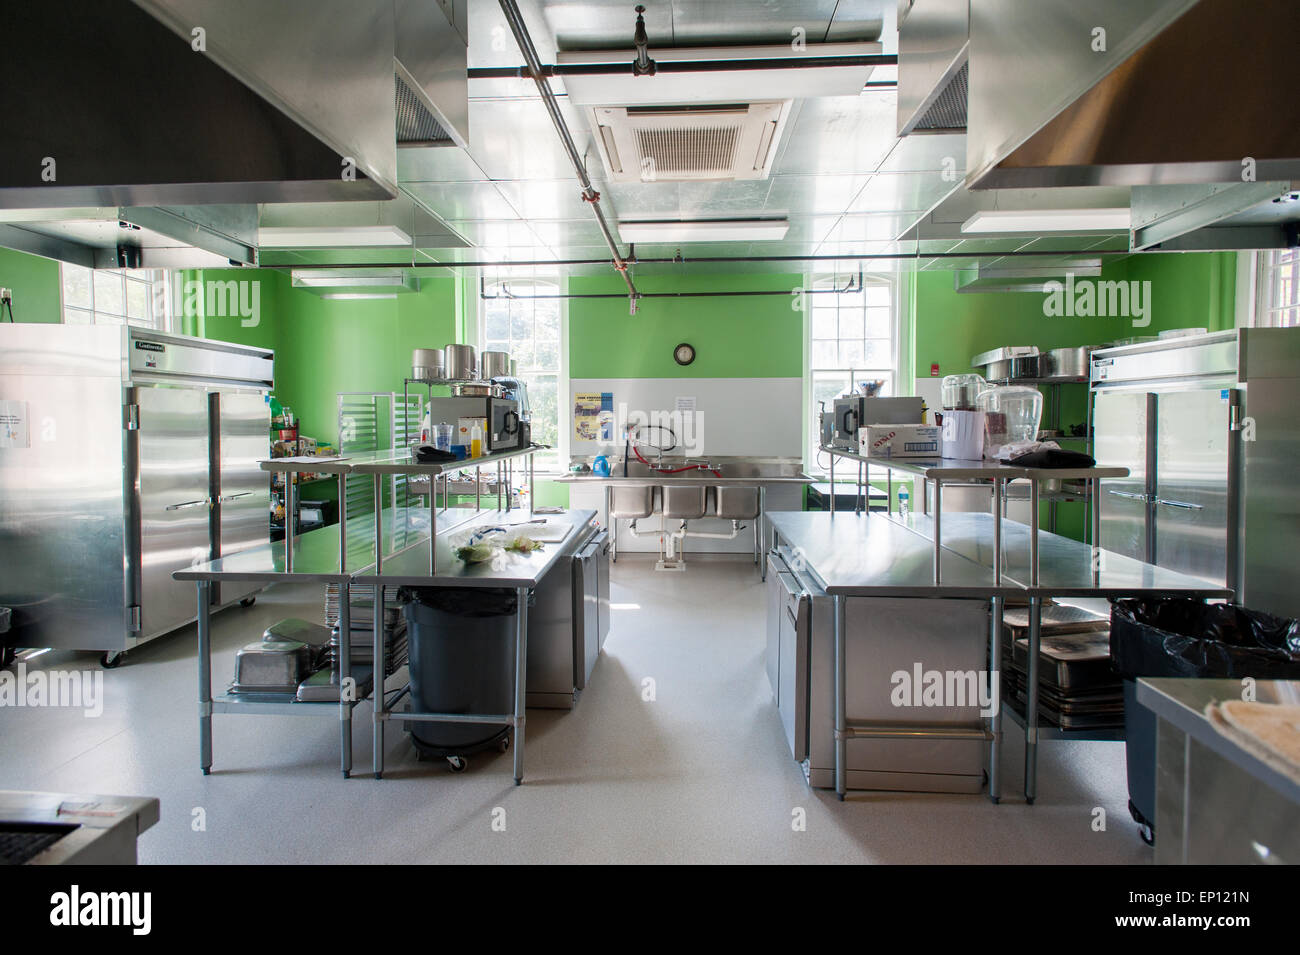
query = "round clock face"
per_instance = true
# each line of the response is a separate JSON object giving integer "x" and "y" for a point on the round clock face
{"x": 684, "y": 354}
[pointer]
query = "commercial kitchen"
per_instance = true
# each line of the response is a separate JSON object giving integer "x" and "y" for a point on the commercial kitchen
{"x": 524, "y": 431}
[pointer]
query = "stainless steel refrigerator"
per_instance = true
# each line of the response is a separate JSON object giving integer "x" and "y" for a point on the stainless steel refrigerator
{"x": 125, "y": 454}
{"x": 1208, "y": 426}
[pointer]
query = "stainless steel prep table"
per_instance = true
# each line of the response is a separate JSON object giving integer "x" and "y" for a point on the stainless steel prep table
{"x": 876, "y": 555}
{"x": 321, "y": 555}
{"x": 1216, "y": 801}
{"x": 521, "y": 573}
{"x": 942, "y": 471}
{"x": 648, "y": 478}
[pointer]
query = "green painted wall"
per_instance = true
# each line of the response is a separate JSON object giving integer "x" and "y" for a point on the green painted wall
{"x": 749, "y": 337}
{"x": 35, "y": 285}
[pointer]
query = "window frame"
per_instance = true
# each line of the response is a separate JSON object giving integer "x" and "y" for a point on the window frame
{"x": 555, "y": 461}
{"x": 812, "y": 465}
{"x": 1269, "y": 264}
{"x": 156, "y": 282}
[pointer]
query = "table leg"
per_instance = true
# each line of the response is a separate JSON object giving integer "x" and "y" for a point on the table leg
{"x": 290, "y": 505}
{"x": 938, "y": 527}
{"x": 1033, "y": 533}
{"x": 857, "y": 500}
{"x": 346, "y": 693}
{"x": 530, "y": 484}
{"x": 478, "y": 489}
{"x": 378, "y": 665}
{"x": 995, "y": 695}
{"x": 379, "y": 524}
{"x": 205, "y": 675}
{"x": 841, "y": 720}
{"x": 521, "y": 672}
{"x": 1031, "y": 702}
{"x": 499, "y": 478}
{"x": 433, "y": 524}
{"x": 832, "y": 469}
{"x": 343, "y": 524}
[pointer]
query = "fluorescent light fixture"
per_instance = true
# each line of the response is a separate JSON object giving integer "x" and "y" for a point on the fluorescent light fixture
{"x": 1048, "y": 220}
{"x": 330, "y": 237}
{"x": 705, "y": 230}
{"x": 356, "y": 296}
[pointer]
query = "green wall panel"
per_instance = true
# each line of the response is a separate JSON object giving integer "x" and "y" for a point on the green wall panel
{"x": 35, "y": 284}
{"x": 744, "y": 337}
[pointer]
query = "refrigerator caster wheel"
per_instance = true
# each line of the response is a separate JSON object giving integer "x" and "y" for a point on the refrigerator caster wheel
{"x": 248, "y": 601}
{"x": 111, "y": 661}
{"x": 1147, "y": 834}
{"x": 457, "y": 764}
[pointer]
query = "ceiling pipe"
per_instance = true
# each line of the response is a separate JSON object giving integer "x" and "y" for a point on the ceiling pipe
{"x": 710, "y": 259}
{"x": 686, "y": 66}
{"x": 516, "y": 21}
{"x": 848, "y": 289}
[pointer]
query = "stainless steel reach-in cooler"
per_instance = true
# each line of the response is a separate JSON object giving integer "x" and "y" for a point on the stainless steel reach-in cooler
{"x": 125, "y": 455}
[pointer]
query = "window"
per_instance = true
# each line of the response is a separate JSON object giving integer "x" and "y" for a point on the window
{"x": 1277, "y": 302}
{"x": 851, "y": 339}
{"x": 115, "y": 297}
{"x": 518, "y": 318}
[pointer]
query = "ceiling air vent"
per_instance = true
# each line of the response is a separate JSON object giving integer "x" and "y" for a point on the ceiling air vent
{"x": 416, "y": 125}
{"x": 688, "y": 143}
{"x": 947, "y": 114}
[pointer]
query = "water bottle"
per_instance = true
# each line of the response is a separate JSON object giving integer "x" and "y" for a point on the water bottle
{"x": 904, "y": 503}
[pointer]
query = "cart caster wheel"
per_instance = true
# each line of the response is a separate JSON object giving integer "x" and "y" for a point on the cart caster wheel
{"x": 457, "y": 764}
{"x": 248, "y": 601}
{"x": 111, "y": 661}
{"x": 504, "y": 745}
{"x": 1147, "y": 835}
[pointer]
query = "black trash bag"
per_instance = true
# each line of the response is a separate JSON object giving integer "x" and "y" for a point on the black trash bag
{"x": 1054, "y": 458}
{"x": 1182, "y": 637}
{"x": 466, "y": 601}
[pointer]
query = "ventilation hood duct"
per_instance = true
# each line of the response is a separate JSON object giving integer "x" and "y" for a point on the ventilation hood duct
{"x": 355, "y": 283}
{"x": 187, "y": 102}
{"x": 196, "y": 237}
{"x": 1021, "y": 278}
{"x": 1166, "y": 92}
{"x": 933, "y": 68}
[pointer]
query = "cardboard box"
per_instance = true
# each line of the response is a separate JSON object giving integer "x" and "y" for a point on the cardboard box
{"x": 900, "y": 441}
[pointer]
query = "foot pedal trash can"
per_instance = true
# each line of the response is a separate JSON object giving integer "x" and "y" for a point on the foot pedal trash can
{"x": 461, "y": 652}
{"x": 1183, "y": 637}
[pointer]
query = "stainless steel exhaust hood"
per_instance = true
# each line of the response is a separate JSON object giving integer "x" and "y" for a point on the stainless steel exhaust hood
{"x": 185, "y": 102}
{"x": 1113, "y": 92}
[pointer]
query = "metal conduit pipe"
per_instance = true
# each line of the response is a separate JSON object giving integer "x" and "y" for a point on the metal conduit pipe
{"x": 516, "y": 21}
{"x": 849, "y": 288}
{"x": 706, "y": 259}
{"x": 686, "y": 66}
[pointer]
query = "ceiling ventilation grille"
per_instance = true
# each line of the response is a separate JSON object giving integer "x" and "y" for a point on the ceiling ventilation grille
{"x": 416, "y": 126}
{"x": 684, "y": 143}
{"x": 948, "y": 111}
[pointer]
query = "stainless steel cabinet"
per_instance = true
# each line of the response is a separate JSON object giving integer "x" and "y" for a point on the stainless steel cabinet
{"x": 788, "y": 623}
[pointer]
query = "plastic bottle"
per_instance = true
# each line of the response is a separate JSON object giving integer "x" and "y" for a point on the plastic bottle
{"x": 476, "y": 442}
{"x": 904, "y": 503}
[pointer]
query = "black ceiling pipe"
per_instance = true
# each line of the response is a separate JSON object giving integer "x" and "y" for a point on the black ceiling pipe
{"x": 686, "y": 66}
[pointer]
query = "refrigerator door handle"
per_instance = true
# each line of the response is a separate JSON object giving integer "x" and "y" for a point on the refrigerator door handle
{"x": 1130, "y": 495}
{"x": 178, "y": 507}
{"x": 233, "y": 497}
{"x": 1186, "y": 505}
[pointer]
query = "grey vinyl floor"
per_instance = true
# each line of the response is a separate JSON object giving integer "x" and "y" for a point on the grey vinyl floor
{"x": 699, "y": 774}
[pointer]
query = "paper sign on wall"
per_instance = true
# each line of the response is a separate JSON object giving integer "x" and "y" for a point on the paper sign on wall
{"x": 13, "y": 424}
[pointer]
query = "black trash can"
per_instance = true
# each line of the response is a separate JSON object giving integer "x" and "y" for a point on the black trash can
{"x": 461, "y": 652}
{"x": 1184, "y": 637}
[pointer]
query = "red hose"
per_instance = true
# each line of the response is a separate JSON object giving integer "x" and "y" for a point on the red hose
{"x": 662, "y": 470}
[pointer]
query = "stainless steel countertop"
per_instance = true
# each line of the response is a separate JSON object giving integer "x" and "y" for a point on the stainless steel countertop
{"x": 411, "y": 567}
{"x": 397, "y": 461}
{"x": 97, "y": 816}
{"x": 956, "y": 469}
{"x": 868, "y": 555}
{"x": 316, "y": 553}
{"x": 1183, "y": 703}
{"x": 1065, "y": 566}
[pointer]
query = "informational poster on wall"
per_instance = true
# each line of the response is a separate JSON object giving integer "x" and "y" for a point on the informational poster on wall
{"x": 13, "y": 424}
{"x": 593, "y": 416}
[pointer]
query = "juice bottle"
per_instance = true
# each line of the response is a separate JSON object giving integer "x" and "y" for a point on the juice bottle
{"x": 476, "y": 442}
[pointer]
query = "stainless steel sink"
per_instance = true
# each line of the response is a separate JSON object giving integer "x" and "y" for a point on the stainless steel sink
{"x": 685, "y": 503}
{"x": 736, "y": 503}
{"x": 631, "y": 502}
